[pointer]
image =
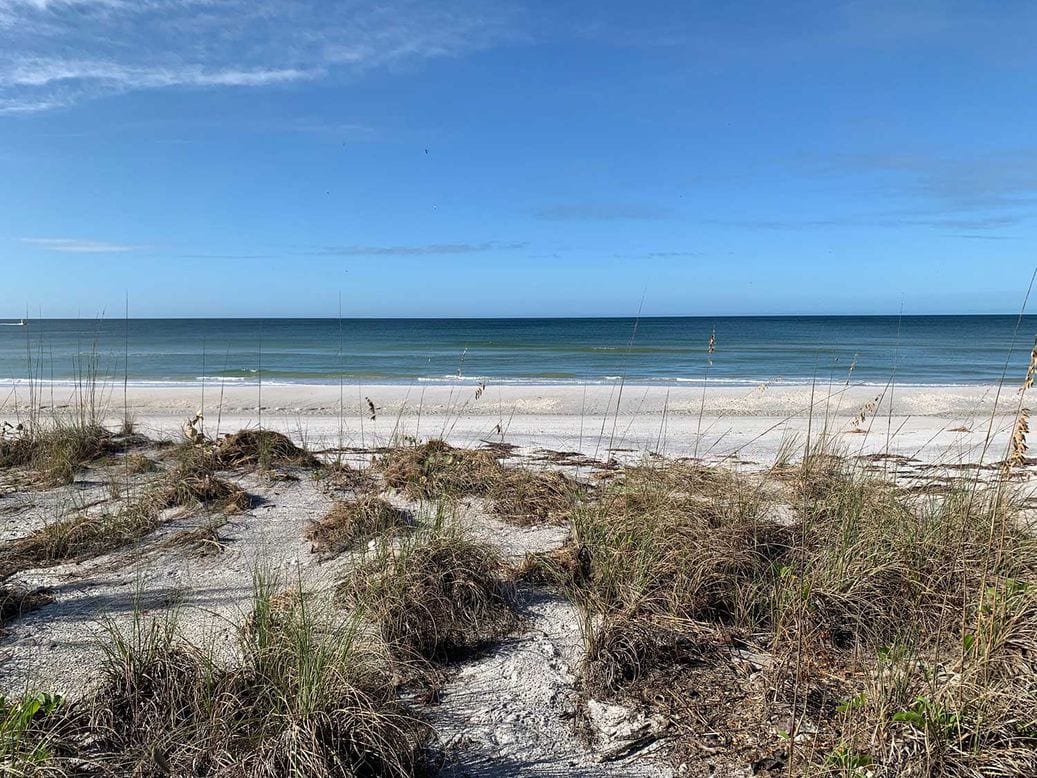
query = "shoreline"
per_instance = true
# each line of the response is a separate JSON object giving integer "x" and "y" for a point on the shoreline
{"x": 9, "y": 384}
{"x": 761, "y": 399}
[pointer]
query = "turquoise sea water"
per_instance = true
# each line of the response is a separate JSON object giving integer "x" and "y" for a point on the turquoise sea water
{"x": 789, "y": 349}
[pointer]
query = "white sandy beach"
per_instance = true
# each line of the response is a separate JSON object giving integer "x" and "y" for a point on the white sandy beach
{"x": 944, "y": 424}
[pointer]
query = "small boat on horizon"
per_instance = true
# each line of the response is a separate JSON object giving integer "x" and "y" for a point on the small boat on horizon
{"x": 19, "y": 323}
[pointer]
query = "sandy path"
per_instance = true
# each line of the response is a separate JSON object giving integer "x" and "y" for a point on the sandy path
{"x": 514, "y": 711}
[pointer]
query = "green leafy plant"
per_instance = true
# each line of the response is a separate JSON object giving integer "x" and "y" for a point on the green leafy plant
{"x": 927, "y": 716}
{"x": 24, "y": 745}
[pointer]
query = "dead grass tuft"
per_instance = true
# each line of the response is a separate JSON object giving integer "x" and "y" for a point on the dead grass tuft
{"x": 887, "y": 629}
{"x": 437, "y": 469}
{"x": 307, "y": 696}
{"x": 352, "y": 522}
{"x": 437, "y": 595}
{"x": 260, "y": 448}
{"x": 89, "y": 533}
{"x": 567, "y": 568}
{"x": 204, "y": 540}
{"x": 59, "y": 452}
{"x": 192, "y": 484}
{"x": 139, "y": 464}
{"x": 677, "y": 540}
{"x": 17, "y": 599}
{"x": 343, "y": 477}
{"x": 526, "y": 497}
{"x": 627, "y": 646}
{"x": 79, "y": 536}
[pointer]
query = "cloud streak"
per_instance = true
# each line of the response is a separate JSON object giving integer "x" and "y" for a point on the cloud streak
{"x": 968, "y": 193}
{"x": 601, "y": 212}
{"x": 80, "y": 246}
{"x": 429, "y": 249}
{"x": 88, "y": 246}
{"x": 890, "y": 219}
{"x": 60, "y": 52}
{"x": 1004, "y": 179}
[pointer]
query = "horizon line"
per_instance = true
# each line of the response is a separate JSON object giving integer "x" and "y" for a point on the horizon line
{"x": 629, "y": 317}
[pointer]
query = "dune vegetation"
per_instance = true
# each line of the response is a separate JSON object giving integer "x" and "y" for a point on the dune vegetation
{"x": 817, "y": 617}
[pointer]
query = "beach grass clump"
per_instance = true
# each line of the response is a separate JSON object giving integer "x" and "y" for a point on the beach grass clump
{"x": 79, "y": 536}
{"x": 525, "y": 497}
{"x": 204, "y": 539}
{"x": 673, "y": 566}
{"x": 520, "y": 496}
{"x": 897, "y": 631}
{"x": 566, "y": 568}
{"x": 17, "y": 599}
{"x": 676, "y": 477}
{"x": 352, "y": 522}
{"x": 17, "y": 451}
{"x": 57, "y": 453}
{"x": 140, "y": 464}
{"x": 678, "y": 542}
{"x": 88, "y": 533}
{"x": 435, "y": 595}
{"x": 260, "y": 448}
{"x": 934, "y": 603}
{"x": 624, "y": 648}
{"x": 436, "y": 469}
{"x": 962, "y": 707}
{"x": 880, "y": 566}
{"x": 308, "y": 694}
{"x": 343, "y": 477}
{"x": 194, "y": 483}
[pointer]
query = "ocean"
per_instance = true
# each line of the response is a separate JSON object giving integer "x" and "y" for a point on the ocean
{"x": 775, "y": 349}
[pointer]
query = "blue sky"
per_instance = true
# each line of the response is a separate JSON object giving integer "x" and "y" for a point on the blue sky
{"x": 265, "y": 157}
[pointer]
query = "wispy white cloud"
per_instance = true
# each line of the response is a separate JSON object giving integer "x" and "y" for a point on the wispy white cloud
{"x": 80, "y": 246}
{"x": 23, "y": 105}
{"x": 45, "y": 72}
{"x": 413, "y": 250}
{"x": 602, "y": 212}
{"x": 60, "y": 52}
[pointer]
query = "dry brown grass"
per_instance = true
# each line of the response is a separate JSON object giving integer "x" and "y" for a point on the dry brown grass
{"x": 18, "y": 451}
{"x": 627, "y": 646}
{"x": 436, "y": 595}
{"x": 343, "y": 477}
{"x": 82, "y": 535}
{"x": 260, "y": 448}
{"x": 518, "y": 495}
{"x": 524, "y": 497}
{"x": 567, "y": 567}
{"x": 139, "y": 464}
{"x": 59, "y": 452}
{"x": 192, "y": 482}
{"x": 88, "y": 533}
{"x": 352, "y": 522}
{"x": 308, "y": 695}
{"x": 437, "y": 469}
{"x": 205, "y": 539}
{"x": 191, "y": 485}
{"x": 17, "y": 599}
{"x": 677, "y": 539}
{"x": 866, "y": 603}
